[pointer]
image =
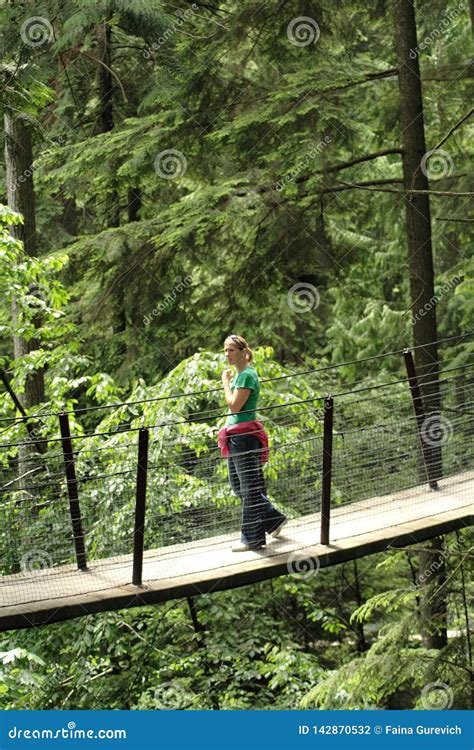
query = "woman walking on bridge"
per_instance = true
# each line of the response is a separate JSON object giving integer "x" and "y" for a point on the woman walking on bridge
{"x": 245, "y": 442}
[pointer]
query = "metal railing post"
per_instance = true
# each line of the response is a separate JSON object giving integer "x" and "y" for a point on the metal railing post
{"x": 327, "y": 468}
{"x": 74, "y": 507}
{"x": 420, "y": 416}
{"x": 139, "y": 532}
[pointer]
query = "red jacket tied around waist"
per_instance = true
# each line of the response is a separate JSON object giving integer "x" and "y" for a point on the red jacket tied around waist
{"x": 254, "y": 427}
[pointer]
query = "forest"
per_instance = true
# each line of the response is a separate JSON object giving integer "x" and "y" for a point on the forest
{"x": 297, "y": 173}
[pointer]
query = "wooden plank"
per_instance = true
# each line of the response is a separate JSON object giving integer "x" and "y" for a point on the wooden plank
{"x": 209, "y": 564}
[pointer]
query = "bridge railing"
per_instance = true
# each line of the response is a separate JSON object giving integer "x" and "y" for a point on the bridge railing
{"x": 78, "y": 498}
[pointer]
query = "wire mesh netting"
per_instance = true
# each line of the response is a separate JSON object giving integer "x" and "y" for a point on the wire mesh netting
{"x": 380, "y": 447}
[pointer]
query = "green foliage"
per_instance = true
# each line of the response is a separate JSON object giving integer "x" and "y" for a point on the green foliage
{"x": 132, "y": 305}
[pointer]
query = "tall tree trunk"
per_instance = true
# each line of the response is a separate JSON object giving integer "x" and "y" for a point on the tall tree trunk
{"x": 134, "y": 203}
{"x": 420, "y": 266}
{"x": 361, "y": 641}
{"x": 433, "y": 607}
{"x": 106, "y": 124}
{"x": 106, "y": 119}
{"x": 21, "y": 198}
{"x": 69, "y": 218}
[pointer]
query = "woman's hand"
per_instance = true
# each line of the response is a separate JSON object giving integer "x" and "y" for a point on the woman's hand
{"x": 227, "y": 376}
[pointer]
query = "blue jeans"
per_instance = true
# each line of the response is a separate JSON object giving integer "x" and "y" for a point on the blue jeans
{"x": 246, "y": 479}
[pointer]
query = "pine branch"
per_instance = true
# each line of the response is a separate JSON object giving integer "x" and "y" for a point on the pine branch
{"x": 364, "y": 186}
{"x": 445, "y": 138}
{"x": 455, "y": 127}
{"x": 351, "y": 163}
{"x": 329, "y": 89}
{"x": 448, "y": 218}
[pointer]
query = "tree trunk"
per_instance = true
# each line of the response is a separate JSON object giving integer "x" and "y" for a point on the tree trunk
{"x": 134, "y": 204}
{"x": 21, "y": 198}
{"x": 106, "y": 124}
{"x": 69, "y": 218}
{"x": 421, "y": 274}
{"x": 106, "y": 119}
{"x": 433, "y": 607}
{"x": 361, "y": 641}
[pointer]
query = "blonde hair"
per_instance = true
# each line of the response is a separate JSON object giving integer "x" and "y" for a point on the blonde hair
{"x": 242, "y": 344}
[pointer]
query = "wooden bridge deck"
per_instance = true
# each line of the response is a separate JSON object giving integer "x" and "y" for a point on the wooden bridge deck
{"x": 357, "y": 529}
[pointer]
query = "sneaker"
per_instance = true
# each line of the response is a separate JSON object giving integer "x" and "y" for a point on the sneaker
{"x": 241, "y": 547}
{"x": 276, "y": 532}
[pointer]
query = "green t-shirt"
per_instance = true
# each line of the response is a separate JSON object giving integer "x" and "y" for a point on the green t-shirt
{"x": 248, "y": 378}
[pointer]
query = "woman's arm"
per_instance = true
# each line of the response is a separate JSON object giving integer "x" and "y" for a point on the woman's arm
{"x": 235, "y": 400}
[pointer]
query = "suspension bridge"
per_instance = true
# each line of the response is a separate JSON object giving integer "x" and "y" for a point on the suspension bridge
{"x": 138, "y": 510}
